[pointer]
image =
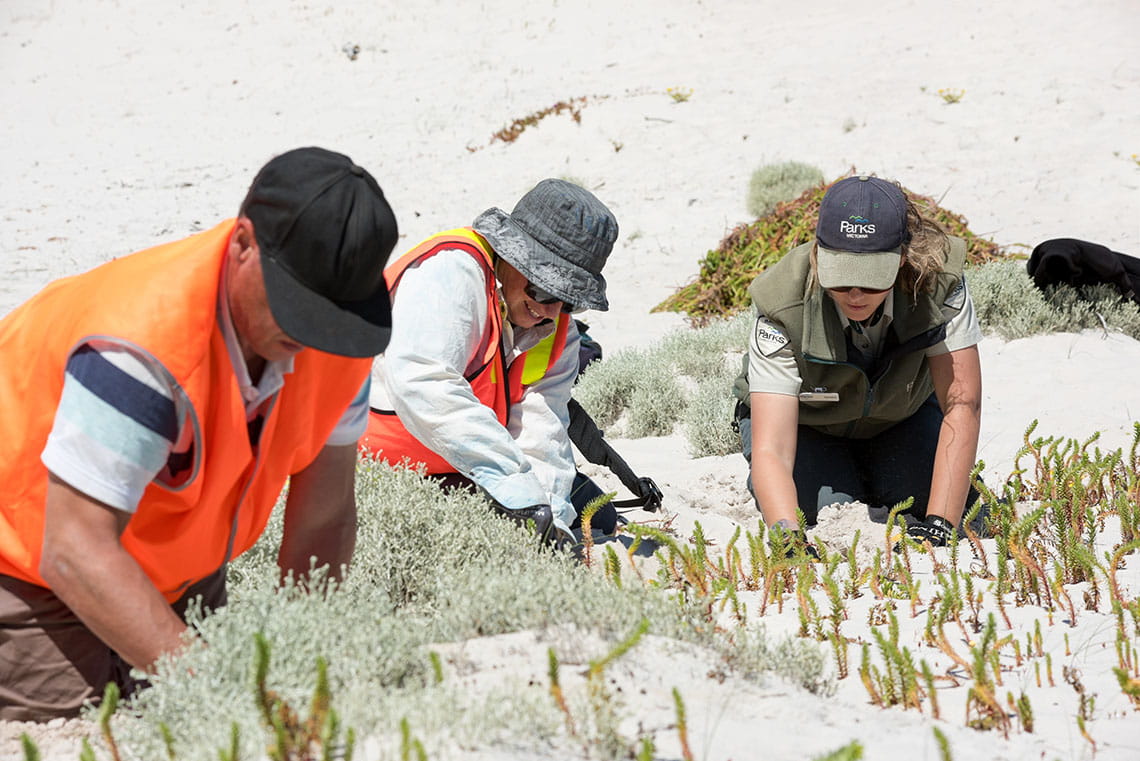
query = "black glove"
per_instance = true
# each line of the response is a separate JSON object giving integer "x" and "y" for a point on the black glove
{"x": 935, "y": 529}
{"x": 648, "y": 491}
{"x": 796, "y": 543}
{"x": 540, "y": 515}
{"x": 800, "y": 544}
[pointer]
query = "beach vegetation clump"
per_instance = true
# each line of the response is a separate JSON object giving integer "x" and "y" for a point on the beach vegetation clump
{"x": 1063, "y": 498}
{"x": 951, "y": 95}
{"x": 1009, "y": 304}
{"x": 682, "y": 379}
{"x": 624, "y": 390}
{"x": 721, "y": 287}
{"x": 431, "y": 568}
{"x": 707, "y": 417}
{"x": 772, "y": 184}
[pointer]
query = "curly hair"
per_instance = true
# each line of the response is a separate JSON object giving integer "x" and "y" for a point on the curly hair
{"x": 925, "y": 249}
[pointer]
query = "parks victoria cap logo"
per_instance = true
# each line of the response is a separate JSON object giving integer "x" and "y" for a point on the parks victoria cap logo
{"x": 862, "y": 214}
{"x": 860, "y": 234}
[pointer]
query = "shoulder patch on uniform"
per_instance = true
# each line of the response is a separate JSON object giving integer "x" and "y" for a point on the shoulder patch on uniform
{"x": 768, "y": 336}
{"x": 957, "y": 297}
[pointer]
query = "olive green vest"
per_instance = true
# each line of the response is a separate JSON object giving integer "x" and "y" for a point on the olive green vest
{"x": 887, "y": 389}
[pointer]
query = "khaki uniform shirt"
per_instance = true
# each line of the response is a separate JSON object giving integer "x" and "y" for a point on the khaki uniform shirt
{"x": 772, "y": 366}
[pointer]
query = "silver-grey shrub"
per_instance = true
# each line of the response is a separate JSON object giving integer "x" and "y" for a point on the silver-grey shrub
{"x": 648, "y": 391}
{"x": 429, "y": 567}
{"x": 700, "y": 353}
{"x": 707, "y": 417}
{"x": 774, "y": 183}
{"x": 606, "y": 388}
{"x": 631, "y": 393}
{"x": 655, "y": 407}
{"x": 1009, "y": 305}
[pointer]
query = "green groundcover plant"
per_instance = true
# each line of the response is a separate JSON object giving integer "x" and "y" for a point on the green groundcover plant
{"x": 721, "y": 287}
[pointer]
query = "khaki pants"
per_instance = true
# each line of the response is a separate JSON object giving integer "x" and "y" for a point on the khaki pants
{"x": 51, "y": 664}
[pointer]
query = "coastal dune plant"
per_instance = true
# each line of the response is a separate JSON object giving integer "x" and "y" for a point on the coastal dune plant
{"x": 706, "y": 418}
{"x": 684, "y": 378}
{"x": 721, "y": 286}
{"x": 773, "y": 184}
{"x": 1009, "y": 304}
{"x": 430, "y": 567}
{"x": 606, "y": 388}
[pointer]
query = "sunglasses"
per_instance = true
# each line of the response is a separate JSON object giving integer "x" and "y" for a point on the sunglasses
{"x": 540, "y": 296}
{"x": 849, "y": 288}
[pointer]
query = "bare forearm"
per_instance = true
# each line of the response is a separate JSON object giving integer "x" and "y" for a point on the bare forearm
{"x": 86, "y": 566}
{"x": 775, "y": 490}
{"x": 774, "y": 431}
{"x": 331, "y": 544}
{"x": 109, "y": 592}
{"x": 953, "y": 460}
{"x": 320, "y": 514}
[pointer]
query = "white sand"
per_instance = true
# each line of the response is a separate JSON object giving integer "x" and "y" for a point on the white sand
{"x": 128, "y": 123}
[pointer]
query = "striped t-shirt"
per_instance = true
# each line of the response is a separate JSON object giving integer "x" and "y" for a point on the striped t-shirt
{"x": 123, "y": 423}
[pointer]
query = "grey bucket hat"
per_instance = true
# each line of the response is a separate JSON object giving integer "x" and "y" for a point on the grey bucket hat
{"x": 559, "y": 237}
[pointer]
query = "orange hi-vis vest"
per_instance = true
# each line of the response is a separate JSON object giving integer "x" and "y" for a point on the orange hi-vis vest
{"x": 162, "y": 302}
{"x": 387, "y": 438}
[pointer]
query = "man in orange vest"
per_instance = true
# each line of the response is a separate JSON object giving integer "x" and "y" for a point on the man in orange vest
{"x": 475, "y": 383}
{"x": 152, "y": 411}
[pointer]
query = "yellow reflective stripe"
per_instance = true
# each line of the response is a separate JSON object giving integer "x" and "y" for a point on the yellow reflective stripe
{"x": 538, "y": 359}
{"x": 471, "y": 235}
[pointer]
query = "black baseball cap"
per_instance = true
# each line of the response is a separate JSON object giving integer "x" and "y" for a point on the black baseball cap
{"x": 325, "y": 232}
{"x": 860, "y": 233}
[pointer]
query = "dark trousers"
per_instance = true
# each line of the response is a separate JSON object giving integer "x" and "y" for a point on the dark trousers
{"x": 880, "y": 471}
{"x": 581, "y": 493}
{"x": 51, "y": 663}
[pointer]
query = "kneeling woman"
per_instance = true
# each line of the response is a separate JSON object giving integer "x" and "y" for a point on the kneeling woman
{"x": 863, "y": 375}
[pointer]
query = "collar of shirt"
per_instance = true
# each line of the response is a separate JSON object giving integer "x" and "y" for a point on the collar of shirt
{"x": 272, "y": 378}
{"x": 868, "y": 338}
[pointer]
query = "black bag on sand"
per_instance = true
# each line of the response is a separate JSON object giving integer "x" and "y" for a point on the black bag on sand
{"x": 1067, "y": 261}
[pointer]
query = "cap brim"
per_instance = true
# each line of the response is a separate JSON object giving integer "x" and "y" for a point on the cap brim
{"x": 876, "y": 271}
{"x": 571, "y": 283}
{"x": 350, "y": 329}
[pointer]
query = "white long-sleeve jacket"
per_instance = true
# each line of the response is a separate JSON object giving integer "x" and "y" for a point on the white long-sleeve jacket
{"x": 439, "y": 319}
